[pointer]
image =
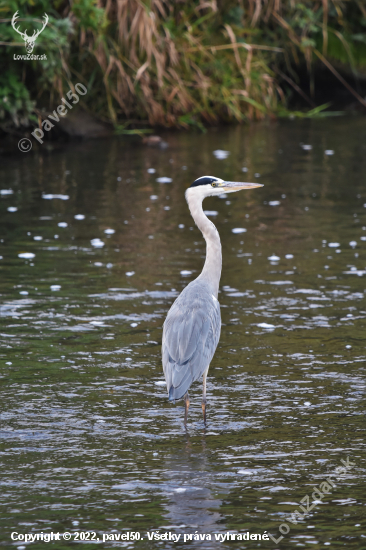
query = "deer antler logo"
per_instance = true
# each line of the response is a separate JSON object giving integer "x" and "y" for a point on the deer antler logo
{"x": 29, "y": 40}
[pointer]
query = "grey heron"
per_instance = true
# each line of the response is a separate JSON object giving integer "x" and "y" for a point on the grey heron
{"x": 192, "y": 327}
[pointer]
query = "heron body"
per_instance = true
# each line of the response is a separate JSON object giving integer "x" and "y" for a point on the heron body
{"x": 192, "y": 327}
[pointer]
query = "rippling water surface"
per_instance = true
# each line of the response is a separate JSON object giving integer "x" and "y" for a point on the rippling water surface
{"x": 93, "y": 252}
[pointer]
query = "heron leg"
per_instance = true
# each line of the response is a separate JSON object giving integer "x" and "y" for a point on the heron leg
{"x": 186, "y": 404}
{"x": 204, "y": 397}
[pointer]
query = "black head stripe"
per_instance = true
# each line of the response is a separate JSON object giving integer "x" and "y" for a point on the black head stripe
{"x": 204, "y": 180}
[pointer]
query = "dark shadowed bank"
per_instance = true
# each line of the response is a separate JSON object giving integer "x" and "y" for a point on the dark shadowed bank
{"x": 164, "y": 63}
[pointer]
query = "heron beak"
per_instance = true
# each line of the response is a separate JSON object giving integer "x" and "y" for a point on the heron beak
{"x": 231, "y": 186}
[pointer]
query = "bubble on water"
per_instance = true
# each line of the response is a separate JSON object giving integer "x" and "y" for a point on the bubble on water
{"x": 6, "y": 191}
{"x": 306, "y": 147}
{"x": 244, "y": 169}
{"x": 79, "y": 217}
{"x": 334, "y": 245}
{"x": 50, "y": 196}
{"x": 97, "y": 243}
{"x": 98, "y": 264}
{"x": 353, "y": 244}
{"x": 257, "y": 175}
{"x": 166, "y": 207}
{"x": 134, "y": 325}
{"x": 55, "y": 236}
{"x": 210, "y": 212}
{"x": 348, "y": 346}
{"x": 62, "y": 224}
{"x": 266, "y": 325}
{"x": 55, "y": 287}
{"x": 38, "y": 238}
{"x": 181, "y": 226}
{"x": 289, "y": 256}
{"x": 109, "y": 266}
{"x": 24, "y": 292}
{"x": 220, "y": 154}
{"x": 363, "y": 238}
{"x": 109, "y": 231}
{"x": 151, "y": 170}
{"x": 119, "y": 178}
{"x": 238, "y": 230}
{"x": 26, "y": 255}
{"x": 12, "y": 208}
{"x": 164, "y": 179}
{"x": 130, "y": 273}
{"x": 8, "y": 363}
{"x": 150, "y": 236}
{"x": 274, "y": 203}
{"x": 154, "y": 197}
{"x": 329, "y": 152}
{"x": 274, "y": 258}
{"x": 185, "y": 272}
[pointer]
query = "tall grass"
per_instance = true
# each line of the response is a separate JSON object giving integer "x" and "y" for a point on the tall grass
{"x": 179, "y": 64}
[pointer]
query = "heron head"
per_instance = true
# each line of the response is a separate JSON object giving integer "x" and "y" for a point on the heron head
{"x": 207, "y": 186}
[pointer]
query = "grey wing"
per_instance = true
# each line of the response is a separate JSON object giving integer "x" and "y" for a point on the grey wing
{"x": 190, "y": 337}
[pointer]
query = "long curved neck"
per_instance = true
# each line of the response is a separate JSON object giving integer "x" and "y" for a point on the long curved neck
{"x": 211, "y": 271}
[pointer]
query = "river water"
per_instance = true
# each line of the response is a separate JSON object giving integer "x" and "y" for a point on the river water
{"x": 89, "y": 441}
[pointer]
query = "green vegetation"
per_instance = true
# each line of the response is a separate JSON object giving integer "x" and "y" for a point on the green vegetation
{"x": 177, "y": 64}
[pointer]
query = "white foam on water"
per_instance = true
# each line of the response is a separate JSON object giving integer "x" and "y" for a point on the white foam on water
{"x": 79, "y": 217}
{"x": 12, "y": 208}
{"x": 185, "y": 272}
{"x": 306, "y": 147}
{"x": 220, "y": 154}
{"x": 334, "y": 245}
{"x": 55, "y": 287}
{"x": 24, "y": 292}
{"x": 160, "y": 383}
{"x": 353, "y": 244}
{"x": 62, "y": 224}
{"x": 274, "y": 258}
{"x": 181, "y": 226}
{"x": 26, "y": 255}
{"x": 97, "y": 243}
{"x": 238, "y": 230}
{"x": 109, "y": 231}
{"x": 166, "y": 207}
{"x": 329, "y": 152}
{"x": 154, "y": 197}
{"x": 244, "y": 169}
{"x": 134, "y": 325}
{"x": 210, "y": 212}
{"x": 274, "y": 203}
{"x": 130, "y": 273}
{"x": 6, "y": 191}
{"x": 164, "y": 179}
{"x": 289, "y": 256}
{"x": 266, "y": 325}
{"x": 50, "y": 196}
{"x": 151, "y": 170}
{"x": 38, "y": 238}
